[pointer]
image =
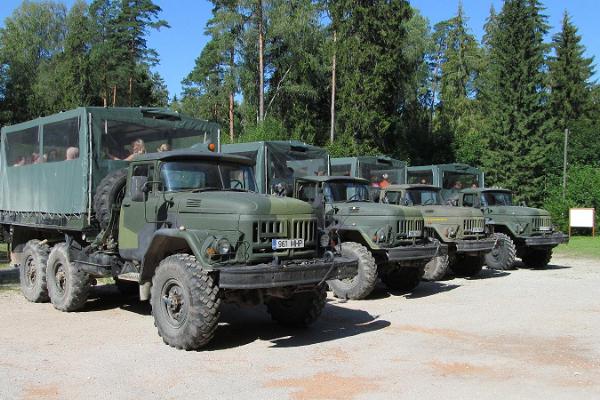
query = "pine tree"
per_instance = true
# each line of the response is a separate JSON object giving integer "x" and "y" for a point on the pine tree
{"x": 32, "y": 35}
{"x": 458, "y": 114}
{"x": 570, "y": 74}
{"x": 518, "y": 147}
{"x": 213, "y": 84}
{"x": 372, "y": 69}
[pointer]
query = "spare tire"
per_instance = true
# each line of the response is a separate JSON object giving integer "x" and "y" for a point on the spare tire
{"x": 109, "y": 192}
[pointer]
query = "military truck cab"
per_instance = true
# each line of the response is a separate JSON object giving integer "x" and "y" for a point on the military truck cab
{"x": 524, "y": 232}
{"x": 451, "y": 178}
{"x": 389, "y": 241}
{"x": 186, "y": 227}
{"x": 462, "y": 233}
{"x": 380, "y": 171}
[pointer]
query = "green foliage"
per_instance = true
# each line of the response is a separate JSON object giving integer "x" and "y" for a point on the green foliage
{"x": 580, "y": 247}
{"x": 518, "y": 145}
{"x": 583, "y": 191}
{"x": 269, "y": 129}
{"x": 52, "y": 60}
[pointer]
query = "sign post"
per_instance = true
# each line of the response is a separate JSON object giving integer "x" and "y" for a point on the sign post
{"x": 582, "y": 218}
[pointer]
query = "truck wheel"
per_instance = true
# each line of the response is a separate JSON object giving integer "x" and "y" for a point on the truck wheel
{"x": 437, "y": 268}
{"x": 67, "y": 286}
{"x": 300, "y": 310}
{"x": 110, "y": 190}
{"x": 537, "y": 258}
{"x": 502, "y": 256}
{"x": 32, "y": 273}
{"x": 363, "y": 283}
{"x": 404, "y": 278}
{"x": 185, "y": 302}
{"x": 467, "y": 266}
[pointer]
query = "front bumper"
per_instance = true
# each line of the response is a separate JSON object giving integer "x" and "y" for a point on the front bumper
{"x": 412, "y": 252}
{"x": 298, "y": 273}
{"x": 475, "y": 246}
{"x": 552, "y": 240}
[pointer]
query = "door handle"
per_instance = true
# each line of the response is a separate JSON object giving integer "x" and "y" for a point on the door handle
{"x": 126, "y": 204}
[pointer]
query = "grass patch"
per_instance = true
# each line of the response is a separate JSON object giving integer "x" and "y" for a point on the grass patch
{"x": 581, "y": 246}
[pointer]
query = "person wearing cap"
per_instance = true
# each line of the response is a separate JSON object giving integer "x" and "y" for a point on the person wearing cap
{"x": 384, "y": 182}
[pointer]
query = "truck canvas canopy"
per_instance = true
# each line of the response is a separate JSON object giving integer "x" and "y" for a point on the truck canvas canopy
{"x": 281, "y": 162}
{"x": 50, "y": 166}
{"x": 371, "y": 168}
{"x": 451, "y": 178}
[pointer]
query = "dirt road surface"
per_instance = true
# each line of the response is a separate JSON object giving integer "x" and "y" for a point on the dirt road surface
{"x": 524, "y": 334}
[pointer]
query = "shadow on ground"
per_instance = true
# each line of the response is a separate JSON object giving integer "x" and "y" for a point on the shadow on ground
{"x": 9, "y": 276}
{"x": 426, "y": 289}
{"x": 240, "y": 326}
{"x": 520, "y": 265}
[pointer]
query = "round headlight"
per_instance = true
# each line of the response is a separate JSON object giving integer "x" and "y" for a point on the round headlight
{"x": 451, "y": 232}
{"x": 324, "y": 240}
{"x": 223, "y": 247}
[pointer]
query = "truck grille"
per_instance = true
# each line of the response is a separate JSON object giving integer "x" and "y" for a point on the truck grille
{"x": 474, "y": 225}
{"x": 541, "y": 223}
{"x": 408, "y": 227}
{"x": 264, "y": 231}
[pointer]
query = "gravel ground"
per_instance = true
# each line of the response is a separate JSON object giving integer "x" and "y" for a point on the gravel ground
{"x": 525, "y": 334}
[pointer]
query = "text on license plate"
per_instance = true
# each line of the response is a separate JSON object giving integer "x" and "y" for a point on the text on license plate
{"x": 277, "y": 244}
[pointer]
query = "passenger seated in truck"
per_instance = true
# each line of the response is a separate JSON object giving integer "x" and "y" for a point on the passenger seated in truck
{"x": 72, "y": 153}
{"x": 164, "y": 147}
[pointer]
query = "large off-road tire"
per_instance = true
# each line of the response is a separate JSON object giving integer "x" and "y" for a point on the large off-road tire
{"x": 110, "y": 191}
{"x": 537, "y": 258}
{"x": 300, "y": 310}
{"x": 437, "y": 268}
{"x": 68, "y": 287}
{"x": 502, "y": 256}
{"x": 33, "y": 271}
{"x": 362, "y": 284}
{"x": 467, "y": 266}
{"x": 404, "y": 278}
{"x": 185, "y": 302}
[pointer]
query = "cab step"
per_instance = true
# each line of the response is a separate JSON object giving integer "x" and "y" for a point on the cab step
{"x": 130, "y": 276}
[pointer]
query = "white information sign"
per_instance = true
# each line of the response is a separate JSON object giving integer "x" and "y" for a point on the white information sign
{"x": 582, "y": 218}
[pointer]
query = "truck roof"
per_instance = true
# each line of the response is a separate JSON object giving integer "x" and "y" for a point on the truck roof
{"x": 411, "y": 186}
{"x": 325, "y": 178}
{"x": 482, "y": 190}
{"x": 187, "y": 154}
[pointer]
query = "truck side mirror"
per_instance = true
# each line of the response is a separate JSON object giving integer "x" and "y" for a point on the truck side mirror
{"x": 138, "y": 188}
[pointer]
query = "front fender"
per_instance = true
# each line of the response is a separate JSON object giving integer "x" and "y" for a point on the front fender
{"x": 172, "y": 241}
{"x": 352, "y": 234}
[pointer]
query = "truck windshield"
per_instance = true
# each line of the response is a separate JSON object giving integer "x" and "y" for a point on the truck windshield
{"x": 345, "y": 191}
{"x": 203, "y": 175}
{"x": 422, "y": 197}
{"x": 496, "y": 199}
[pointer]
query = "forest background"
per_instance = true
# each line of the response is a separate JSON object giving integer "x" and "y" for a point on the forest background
{"x": 359, "y": 77}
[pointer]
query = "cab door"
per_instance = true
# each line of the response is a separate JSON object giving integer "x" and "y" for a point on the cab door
{"x": 137, "y": 223}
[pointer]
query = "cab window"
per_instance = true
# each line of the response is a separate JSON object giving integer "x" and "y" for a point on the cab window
{"x": 468, "y": 200}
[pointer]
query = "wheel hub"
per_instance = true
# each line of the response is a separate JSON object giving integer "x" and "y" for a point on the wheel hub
{"x": 174, "y": 303}
{"x": 30, "y": 272}
{"x": 61, "y": 278}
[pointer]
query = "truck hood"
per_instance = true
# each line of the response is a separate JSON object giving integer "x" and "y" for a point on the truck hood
{"x": 448, "y": 212}
{"x": 221, "y": 202}
{"x": 517, "y": 211}
{"x": 375, "y": 210}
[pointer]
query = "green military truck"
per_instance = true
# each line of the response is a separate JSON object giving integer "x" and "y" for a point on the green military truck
{"x": 451, "y": 178}
{"x": 388, "y": 241}
{"x": 520, "y": 231}
{"x": 463, "y": 235}
{"x": 82, "y": 199}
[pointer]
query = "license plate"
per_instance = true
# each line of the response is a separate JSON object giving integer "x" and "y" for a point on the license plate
{"x": 278, "y": 244}
{"x": 414, "y": 233}
{"x": 477, "y": 230}
{"x": 545, "y": 228}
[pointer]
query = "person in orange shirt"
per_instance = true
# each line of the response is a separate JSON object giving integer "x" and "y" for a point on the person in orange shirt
{"x": 384, "y": 182}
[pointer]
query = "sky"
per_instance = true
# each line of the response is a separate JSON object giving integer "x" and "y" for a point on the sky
{"x": 180, "y": 45}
